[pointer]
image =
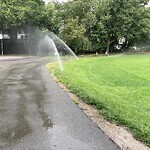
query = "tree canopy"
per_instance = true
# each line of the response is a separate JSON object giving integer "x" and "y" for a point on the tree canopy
{"x": 106, "y": 22}
{"x": 15, "y": 13}
{"x": 85, "y": 25}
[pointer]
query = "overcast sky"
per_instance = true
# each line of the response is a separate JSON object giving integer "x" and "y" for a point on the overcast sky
{"x": 46, "y": 1}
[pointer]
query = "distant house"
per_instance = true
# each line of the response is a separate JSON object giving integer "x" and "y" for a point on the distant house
{"x": 6, "y": 36}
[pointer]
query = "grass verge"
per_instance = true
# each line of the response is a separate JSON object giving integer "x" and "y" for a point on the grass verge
{"x": 118, "y": 86}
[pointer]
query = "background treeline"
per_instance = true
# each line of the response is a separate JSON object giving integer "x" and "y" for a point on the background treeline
{"x": 85, "y": 25}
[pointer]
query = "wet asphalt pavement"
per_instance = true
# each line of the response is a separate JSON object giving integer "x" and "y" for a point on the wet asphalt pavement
{"x": 36, "y": 114}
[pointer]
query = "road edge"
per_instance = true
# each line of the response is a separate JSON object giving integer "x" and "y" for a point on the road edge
{"x": 118, "y": 134}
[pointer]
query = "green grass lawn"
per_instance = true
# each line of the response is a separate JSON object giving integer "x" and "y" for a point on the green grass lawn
{"x": 118, "y": 86}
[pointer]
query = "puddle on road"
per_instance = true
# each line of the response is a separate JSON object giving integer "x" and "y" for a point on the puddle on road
{"x": 20, "y": 130}
{"x": 47, "y": 123}
{"x": 13, "y": 81}
{"x": 22, "y": 127}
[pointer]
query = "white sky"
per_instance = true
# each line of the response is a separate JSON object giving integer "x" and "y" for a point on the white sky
{"x": 46, "y": 1}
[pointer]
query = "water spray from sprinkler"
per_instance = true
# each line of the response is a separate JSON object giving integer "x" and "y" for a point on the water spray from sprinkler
{"x": 54, "y": 47}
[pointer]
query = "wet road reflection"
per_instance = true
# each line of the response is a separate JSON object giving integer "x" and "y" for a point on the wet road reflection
{"x": 36, "y": 114}
{"x": 20, "y": 87}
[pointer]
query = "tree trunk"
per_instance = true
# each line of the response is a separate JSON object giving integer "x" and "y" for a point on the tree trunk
{"x": 13, "y": 34}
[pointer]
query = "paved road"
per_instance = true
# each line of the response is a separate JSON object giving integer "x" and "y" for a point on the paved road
{"x": 35, "y": 114}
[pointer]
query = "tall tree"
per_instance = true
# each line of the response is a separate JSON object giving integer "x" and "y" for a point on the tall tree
{"x": 107, "y": 21}
{"x": 128, "y": 19}
{"x": 73, "y": 33}
{"x": 82, "y": 14}
{"x": 14, "y": 14}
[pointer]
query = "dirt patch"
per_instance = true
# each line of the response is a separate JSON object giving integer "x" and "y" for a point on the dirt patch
{"x": 116, "y": 133}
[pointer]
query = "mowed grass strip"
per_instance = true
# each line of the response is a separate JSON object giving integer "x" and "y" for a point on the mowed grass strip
{"x": 118, "y": 86}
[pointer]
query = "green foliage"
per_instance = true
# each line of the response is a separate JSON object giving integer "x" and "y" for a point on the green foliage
{"x": 10, "y": 15}
{"x": 92, "y": 25}
{"x": 118, "y": 86}
{"x": 77, "y": 17}
{"x": 105, "y": 22}
{"x": 73, "y": 33}
{"x": 126, "y": 19}
{"x": 18, "y": 14}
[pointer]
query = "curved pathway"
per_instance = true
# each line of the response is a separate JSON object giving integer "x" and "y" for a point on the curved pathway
{"x": 35, "y": 114}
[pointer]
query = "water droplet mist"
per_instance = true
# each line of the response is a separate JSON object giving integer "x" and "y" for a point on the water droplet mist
{"x": 48, "y": 47}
